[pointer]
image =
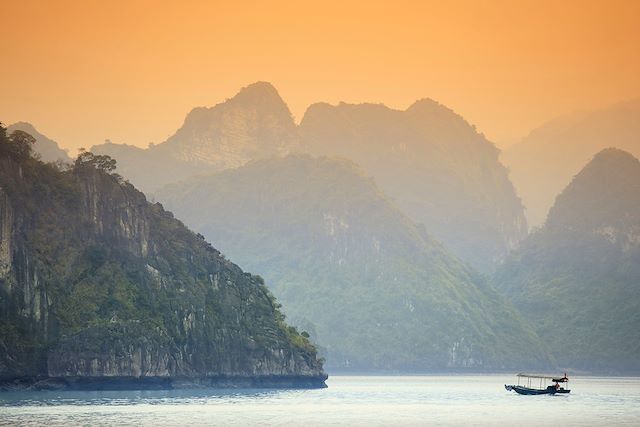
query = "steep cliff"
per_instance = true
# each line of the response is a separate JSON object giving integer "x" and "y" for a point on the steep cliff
{"x": 254, "y": 124}
{"x": 97, "y": 284}
{"x": 435, "y": 165}
{"x": 371, "y": 286}
{"x": 577, "y": 279}
{"x": 546, "y": 160}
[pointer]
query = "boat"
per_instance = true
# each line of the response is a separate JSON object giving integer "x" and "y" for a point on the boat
{"x": 560, "y": 385}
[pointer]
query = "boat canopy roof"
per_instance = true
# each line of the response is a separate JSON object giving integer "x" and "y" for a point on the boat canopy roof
{"x": 546, "y": 377}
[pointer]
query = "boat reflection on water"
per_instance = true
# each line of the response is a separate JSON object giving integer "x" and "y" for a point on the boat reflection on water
{"x": 559, "y": 386}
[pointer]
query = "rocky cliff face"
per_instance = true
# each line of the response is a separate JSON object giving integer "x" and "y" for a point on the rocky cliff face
{"x": 434, "y": 164}
{"x": 254, "y": 124}
{"x": 97, "y": 282}
{"x": 371, "y": 286}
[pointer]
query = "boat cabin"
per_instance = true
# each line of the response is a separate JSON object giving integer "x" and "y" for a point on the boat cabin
{"x": 539, "y": 384}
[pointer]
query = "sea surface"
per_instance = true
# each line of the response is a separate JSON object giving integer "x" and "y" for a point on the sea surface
{"x": 348, "y": 401}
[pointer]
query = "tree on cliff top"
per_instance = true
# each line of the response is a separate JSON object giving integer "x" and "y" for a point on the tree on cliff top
{"x": 101, "y": 162}
{"x": 18, "y": 145}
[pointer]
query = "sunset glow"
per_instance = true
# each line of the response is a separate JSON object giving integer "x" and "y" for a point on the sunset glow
{"x": 84, "y": 71}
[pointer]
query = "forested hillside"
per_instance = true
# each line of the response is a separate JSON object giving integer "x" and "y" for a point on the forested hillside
{"x": 99, "y": 286}
{"x": 372, "y": 287}
{"x": 577, "y": 280}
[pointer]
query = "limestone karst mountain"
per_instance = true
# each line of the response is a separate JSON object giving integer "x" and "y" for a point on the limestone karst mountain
{"x": 544, "y": 162}
{"x": 254, "y": 124}
{"x": 46, "y": 148}
{"x": 372, "y": 287}
{"x": 100, "y": 288}
{"x": 435, "y": 165}
{"x": 577, "y": 279}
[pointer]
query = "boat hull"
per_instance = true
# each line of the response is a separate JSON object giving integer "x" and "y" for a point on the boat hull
{"x": 535, "y": 391}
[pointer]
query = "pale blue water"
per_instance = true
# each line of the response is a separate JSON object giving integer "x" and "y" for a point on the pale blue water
{"x": 349, "y": 401}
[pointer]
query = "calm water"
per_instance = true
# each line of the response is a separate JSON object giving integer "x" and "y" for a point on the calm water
{"x": 364, "y": 400}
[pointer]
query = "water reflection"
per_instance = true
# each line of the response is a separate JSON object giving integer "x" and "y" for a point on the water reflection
{"x": 133, "y": 397}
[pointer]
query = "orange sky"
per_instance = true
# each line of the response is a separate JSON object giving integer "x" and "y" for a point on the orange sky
{"x": 83, "y": 71}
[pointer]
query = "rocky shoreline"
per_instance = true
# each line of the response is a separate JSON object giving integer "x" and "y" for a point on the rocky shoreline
{"x": 161, "y": 383}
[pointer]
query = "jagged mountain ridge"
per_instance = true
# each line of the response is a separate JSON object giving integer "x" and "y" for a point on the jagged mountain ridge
{"x": 97, "y": 284}
{"x": 577, "y": 279}
{"x": 369, "y": 284}
{"x": 435, "y": 165}
{"x": 544, "y": 162}
{"x": 254, "y": 124}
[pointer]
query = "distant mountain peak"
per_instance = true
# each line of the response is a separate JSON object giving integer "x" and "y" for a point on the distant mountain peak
{"x": 317, "y": 108}
{"x": 261, "y": 95}
{"x": 24, "y": 126}
{"x": 426, "y": 103}
{"x": 545, "y": 161}
{"x": 259, "y": 88}
{"x": 576, "y": 278}
{"x": 427, "y": 107}
{"x": 48, "y": 149}
{"x": 612, "y": 154}
{"x": 609, "y": 167}
{"x": 434, "y": 164}
{"x": 605, "y": 192}
{"x": 256, "y": 123}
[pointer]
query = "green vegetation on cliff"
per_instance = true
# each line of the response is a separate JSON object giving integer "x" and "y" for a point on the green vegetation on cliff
{"x": 368, "y": 284}
{"x": 439, "y": 170}
{"x": 546, "y": 160}
{"x": 577, "y": 279}
{"x": 47, "y": 149}
{"x": 97, "y": 282}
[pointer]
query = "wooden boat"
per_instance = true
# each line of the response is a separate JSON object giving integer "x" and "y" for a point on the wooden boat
{"x": 529, "y": 383}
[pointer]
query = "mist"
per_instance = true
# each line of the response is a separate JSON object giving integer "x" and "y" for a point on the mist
{"x": 338, "y": 214}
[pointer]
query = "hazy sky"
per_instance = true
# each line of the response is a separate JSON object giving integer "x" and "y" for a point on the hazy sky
{"x": 83, "y": 71}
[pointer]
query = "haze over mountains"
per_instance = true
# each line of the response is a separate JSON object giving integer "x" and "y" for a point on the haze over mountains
{"x": 434, "y": 164}
{"x": 373, "y": 287}
{"x": 257, "y": 123}
{"x": 377, "y": 237}
{"x": 99, "y": 286}
{"x": 254, "y": 124}
{"x": 46, "y": 148}
{"x": 577, "y": 279}
{"x": 546, "y": 160}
